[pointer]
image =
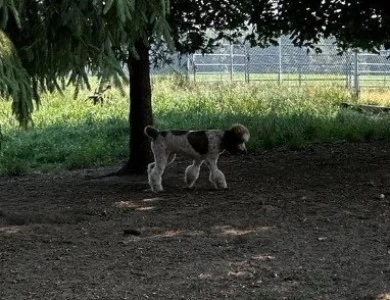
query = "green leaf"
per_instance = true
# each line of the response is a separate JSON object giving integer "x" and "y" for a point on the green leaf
{"x": 16, "y": 16}
{"x": 4, "y": 17}
{"x": 107, "y": 6}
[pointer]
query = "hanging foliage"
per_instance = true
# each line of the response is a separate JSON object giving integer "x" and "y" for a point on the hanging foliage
{"x": 15, "y": 82}
{"x": 65, "y": 41}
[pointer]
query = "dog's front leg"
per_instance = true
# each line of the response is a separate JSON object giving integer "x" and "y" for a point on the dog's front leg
{"x": 192, "y": 173}
{"x": 217, "y": 178}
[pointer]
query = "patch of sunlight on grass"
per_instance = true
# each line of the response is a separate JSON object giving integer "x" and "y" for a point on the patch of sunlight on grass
{"x": 8, "y": 230}
{"x": 172, "y": 233}
{"x": 240, "y": 274}
{"x": 205, "y": 276}
{"x": 262, "y": 257}
{"x": 152, "y": 199}
{"x": 176, "y": 232}
{"x": 126, "y": 204}
{"x": 375, "y": 97}
{"x": 145, "y": 208}
{"x": 135, "y": 205}
{"x": 229, "y": 230}
{"x": 384, "y": 296}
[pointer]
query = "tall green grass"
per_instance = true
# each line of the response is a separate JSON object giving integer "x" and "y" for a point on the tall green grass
{"x": 72, "y": 134}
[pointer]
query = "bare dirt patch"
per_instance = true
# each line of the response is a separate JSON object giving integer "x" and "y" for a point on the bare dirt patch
{"x": 310, "y": 224}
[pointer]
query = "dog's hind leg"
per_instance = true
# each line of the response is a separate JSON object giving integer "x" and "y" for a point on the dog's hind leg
{"x": 156, "y": 170}
{"x": 192, "y": 173}
{"x": 217, "y": 178}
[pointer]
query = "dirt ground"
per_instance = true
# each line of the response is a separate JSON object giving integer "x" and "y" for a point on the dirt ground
{"x": 310, "y": 224}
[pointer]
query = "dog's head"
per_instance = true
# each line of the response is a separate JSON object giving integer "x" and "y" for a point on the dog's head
{"x": 235, "y": 138}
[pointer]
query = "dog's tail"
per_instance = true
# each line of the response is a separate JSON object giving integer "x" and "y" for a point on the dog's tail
{"x": 151, "y": 132}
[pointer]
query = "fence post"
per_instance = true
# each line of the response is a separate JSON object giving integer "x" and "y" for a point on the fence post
{"x": 188, "y": 68}
{"x": 194, "y": 66}
{"x": 300, "y": 75}
{"x": 280, "y": 62}
{"x": 356, "y": 71}
{"x": 246, "y": 62}
{"x": 231, "y": 61}
{"x": 347, "y": 70}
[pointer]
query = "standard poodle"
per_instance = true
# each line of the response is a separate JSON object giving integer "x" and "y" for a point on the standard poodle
{"x": 201, "y": 146}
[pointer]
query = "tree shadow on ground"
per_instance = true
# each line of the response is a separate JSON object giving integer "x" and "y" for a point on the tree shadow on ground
{"x": 306, "y": 224}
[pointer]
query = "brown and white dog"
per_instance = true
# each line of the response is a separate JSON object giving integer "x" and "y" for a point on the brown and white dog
{"x": 201, "y": 146}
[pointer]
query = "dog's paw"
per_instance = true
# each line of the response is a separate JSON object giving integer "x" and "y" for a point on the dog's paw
{"x": 157, "y": 189}
{"x": 221, "y": 186}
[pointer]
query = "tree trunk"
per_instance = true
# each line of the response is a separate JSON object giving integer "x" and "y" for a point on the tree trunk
{"x": 140, "y": 111}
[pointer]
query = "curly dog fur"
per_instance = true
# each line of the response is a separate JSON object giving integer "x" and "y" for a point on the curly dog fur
{"x": 202, "y": 146}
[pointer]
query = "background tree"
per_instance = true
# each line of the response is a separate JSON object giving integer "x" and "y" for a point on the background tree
{"x": 52, "y": 39}
{"x": 363, "y": 24}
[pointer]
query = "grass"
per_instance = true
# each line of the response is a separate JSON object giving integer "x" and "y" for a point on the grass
{"x": 74, "y": 134}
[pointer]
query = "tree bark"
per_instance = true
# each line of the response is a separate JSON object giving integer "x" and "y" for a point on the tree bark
{"x": 140, "y": 114}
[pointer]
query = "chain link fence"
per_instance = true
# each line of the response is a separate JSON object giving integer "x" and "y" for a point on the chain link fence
{"x": 292, "y": 66}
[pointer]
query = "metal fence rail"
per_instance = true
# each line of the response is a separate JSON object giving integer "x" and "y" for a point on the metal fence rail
{"x": 288, "y": 65}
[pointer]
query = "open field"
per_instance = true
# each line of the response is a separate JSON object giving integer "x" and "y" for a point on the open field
{"x": 308, "y": 224}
